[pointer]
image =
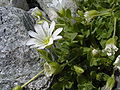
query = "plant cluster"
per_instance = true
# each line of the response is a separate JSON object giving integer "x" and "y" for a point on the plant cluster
{"x": 87, "y": 52}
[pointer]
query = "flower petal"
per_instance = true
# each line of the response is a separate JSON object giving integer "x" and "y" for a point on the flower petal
{"x": 52, "y": 26}
{"x": 109, "y": 53}
{"x": 42, "y": 47}
{"x": 31, "y": 41}
{"x": 33, "y": 34}
{"x": 34, "y": 43}
{"x": 45, "y": 26}
{"x": 115, "y": 48}
{"x": 117, "y": 61}
{"x": 57, "y": 32}
{"x": 118, "y": 67}
{"x": 50, "y": 42}
{"x": 57, "y": 37}
{"x": 39, "y": 30}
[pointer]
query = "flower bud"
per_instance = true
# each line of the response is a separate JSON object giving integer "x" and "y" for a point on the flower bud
{"x": 51, "y": 68}
{"x": 90, "y": 14}
{"x": 36, "y": 12}
{"x": 78, "y": 70}
{"x": 80, "y": 13}
{"x": 17, "y": 88}
{"x": 95, "y": 52}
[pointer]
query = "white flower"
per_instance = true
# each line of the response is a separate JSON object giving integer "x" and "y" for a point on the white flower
{"x": 110, "y": 49}
{"x": 117, "y": 62}
{"x": 95, "y": 52}
{"x": 44, "y": 35}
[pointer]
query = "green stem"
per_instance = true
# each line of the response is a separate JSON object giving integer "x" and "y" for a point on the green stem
{"x": 32, "y": 79}
{"x": 115, "y": 19}
{"x": 46, "y": 19}
{"x": 69, "y": 61}
{"x": 60, "y": 24}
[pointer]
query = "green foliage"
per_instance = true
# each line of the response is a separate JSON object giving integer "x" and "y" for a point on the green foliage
{"x": 110, "y": 83}
{"x": 83, "y": 70}
{"x": 45, "y": 55}
{"x": 78, "y": 70}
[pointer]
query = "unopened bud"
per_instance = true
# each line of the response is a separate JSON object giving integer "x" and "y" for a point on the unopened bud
{"x": 90, "y": 14}
{"x": 17, "y": 88}
{"x": 51, "y": 68}
{"x": 95, "y": 52}
{"x": 36, "y": 12}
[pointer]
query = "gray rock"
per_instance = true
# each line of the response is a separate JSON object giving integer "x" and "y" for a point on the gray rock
{"x": 20, "y": 4}
{"x": 117, "y": 77}
{"x": 46, "y": 5}
{"x": 18, "y": 63}
{"x": 16, "y": 3}
{"x": 4, "y": 2}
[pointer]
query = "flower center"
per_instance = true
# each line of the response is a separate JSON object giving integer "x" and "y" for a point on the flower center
{"x": 46, "y": 40}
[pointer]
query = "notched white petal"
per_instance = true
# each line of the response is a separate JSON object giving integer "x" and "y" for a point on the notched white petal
{"x": 33, "y": 34}
{"x": 45, "y": 26}
{"x": 31, "y": 41}
{"x": 59, "y": 30}
{"x": 57, "y": 37}
{"x": 52, "y": 26}
{"x": 117, "y": 61}
{"x": 50, "y": 41}
{"x": 42, "y": 46}
{"x": 38, "y": 28}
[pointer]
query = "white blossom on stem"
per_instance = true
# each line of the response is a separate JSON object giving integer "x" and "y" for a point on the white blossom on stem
{"x": 44, "y": 35}
{"x": 111, "y": 49}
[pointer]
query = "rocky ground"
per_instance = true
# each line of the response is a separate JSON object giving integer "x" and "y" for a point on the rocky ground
{"x": 19, "y": 63}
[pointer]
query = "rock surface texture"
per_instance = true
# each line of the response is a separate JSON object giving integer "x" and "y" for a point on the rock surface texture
{"x": 16, "y": 3}
{"x": 18, "y": 63}
{"x": 4, "y": 2}
{"x": 20, "y": 4}
{"x": 56, "y": 5}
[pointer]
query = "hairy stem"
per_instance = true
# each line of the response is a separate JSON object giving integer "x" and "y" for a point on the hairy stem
{"x": 32, "y": 79}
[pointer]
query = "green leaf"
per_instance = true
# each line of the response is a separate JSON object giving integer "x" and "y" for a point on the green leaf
{"x": 93, "y": 62}
{"x": 61, "y": 13}
{"x": 78, "y": 19}
{"x": 69, "y": 85}
{"x": 68, "y": 13}
{"x": 58, "y": 86}
{"x": 80, "y": 13}
{"x": 86, "y": 86}
{"x": 78, "y": 70}
{"x": 117, "y": 13}
{"x": 102, "y": 77}
{"x": 93, "y": 74}
{"x": 45, "y": 55}
{"x": 110, "y": 83}
{"x": 71, "y": 36}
